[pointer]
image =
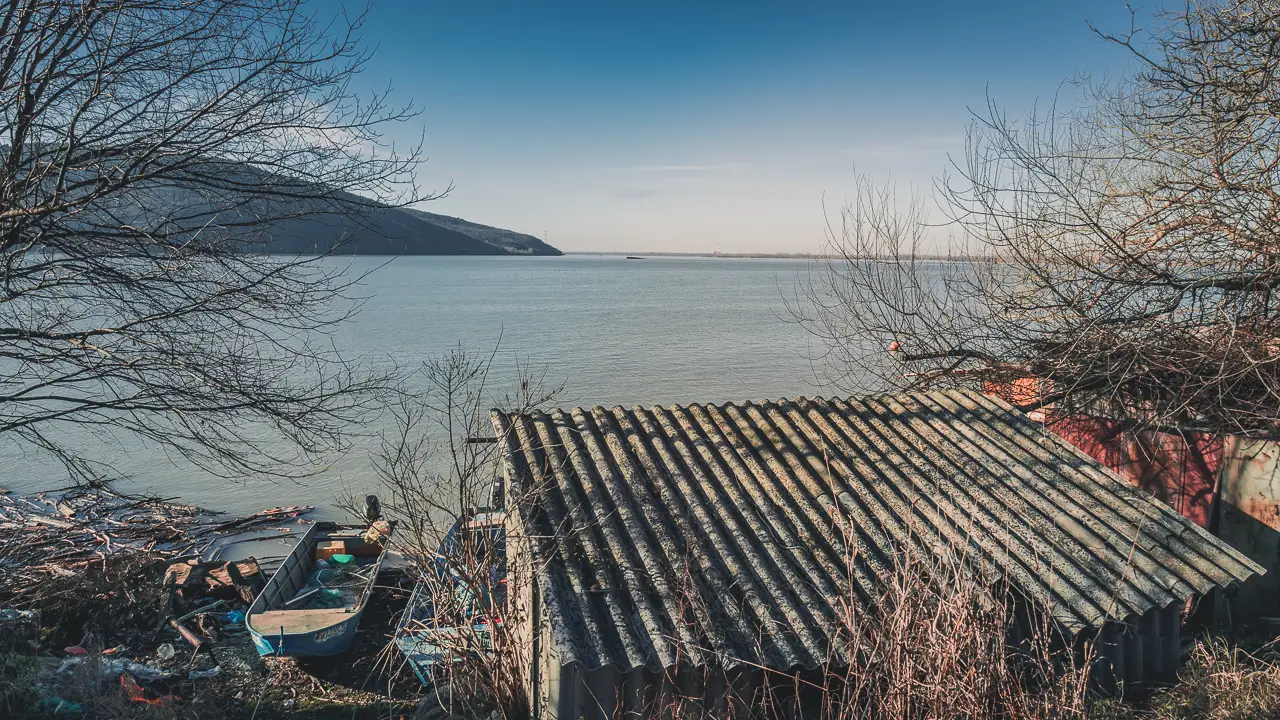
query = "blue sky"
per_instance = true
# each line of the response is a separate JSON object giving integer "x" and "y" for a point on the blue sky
{"x": 714, "y": 125}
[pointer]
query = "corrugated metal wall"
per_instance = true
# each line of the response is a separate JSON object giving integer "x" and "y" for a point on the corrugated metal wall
{"x": 1230, "y": 486}
{"x": 1140, "y": 652}
{"x": 607, "y": 694}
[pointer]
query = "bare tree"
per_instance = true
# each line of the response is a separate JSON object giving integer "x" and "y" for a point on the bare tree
{"x": 1122, "y": 250}
{"x": 150, "y": 146}
{"x": 436, "y": 467}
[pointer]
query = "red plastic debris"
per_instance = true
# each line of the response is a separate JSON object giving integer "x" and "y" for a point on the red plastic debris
{"x": 135, "y": 692}
{"x": 75, "y": 650}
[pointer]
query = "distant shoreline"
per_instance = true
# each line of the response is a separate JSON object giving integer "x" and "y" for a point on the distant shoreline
{"x": 762, "y": 256}
{"x": 767, "y": 256}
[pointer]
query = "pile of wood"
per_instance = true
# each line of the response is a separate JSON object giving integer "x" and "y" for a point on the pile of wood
{"x": 51, "y": 536}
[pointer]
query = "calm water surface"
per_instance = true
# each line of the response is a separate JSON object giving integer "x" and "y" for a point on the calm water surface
{"x": 614, "y": 331}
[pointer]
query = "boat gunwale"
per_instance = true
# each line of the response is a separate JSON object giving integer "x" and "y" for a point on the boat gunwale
{"x": 305, "y": 546}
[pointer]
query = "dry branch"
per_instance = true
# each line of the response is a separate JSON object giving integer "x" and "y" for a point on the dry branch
{"x": 59, "y": 535}
{"x": 1128, "y": 245}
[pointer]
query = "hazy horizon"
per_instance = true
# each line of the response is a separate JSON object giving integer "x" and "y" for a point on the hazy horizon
{"x": 716, "y": 127}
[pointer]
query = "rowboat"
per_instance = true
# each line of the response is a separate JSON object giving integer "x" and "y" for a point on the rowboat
{"x": 313, "y": 602}
{"x": 436, "y": 629}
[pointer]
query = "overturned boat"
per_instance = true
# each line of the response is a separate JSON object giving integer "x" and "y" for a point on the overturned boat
{"x": 313, "y": 603}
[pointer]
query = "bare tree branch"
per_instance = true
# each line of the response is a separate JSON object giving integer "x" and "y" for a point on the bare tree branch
{"x": 149, "y": 148}
{"x": 1123, "y": 249}
{"x": 432, "y": 472}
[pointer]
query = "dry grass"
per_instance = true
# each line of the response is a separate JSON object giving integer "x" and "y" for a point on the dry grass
{"x": 1219, "y": 682}
{"x": 932, "y": 644}
{"x": 18, "y": 673}
{"x": 935, "y": 645}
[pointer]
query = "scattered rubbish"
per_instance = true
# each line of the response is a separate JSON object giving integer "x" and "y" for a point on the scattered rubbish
{"x": 201, "y": 610}
{"x": 8, "y": 615}
{"x": 60, "y": 706}
{"x": 202, "y": 582}
{"x": 19, "y": 629}
{"x": 122, "y": 563}
{"x": 193, "y": 639}
{"x": 138, "y": 670}
{"x": 137, "y": 693}
{"x": 245, "y": 577}
{"x": 114, "y": 667}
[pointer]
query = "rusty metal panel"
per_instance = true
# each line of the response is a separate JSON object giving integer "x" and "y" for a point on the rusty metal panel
{"x": 1250, "y": 520}
{"x": 732, "y": 533}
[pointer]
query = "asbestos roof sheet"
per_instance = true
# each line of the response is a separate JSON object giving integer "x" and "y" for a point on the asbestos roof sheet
{"x": 716, "y": 529}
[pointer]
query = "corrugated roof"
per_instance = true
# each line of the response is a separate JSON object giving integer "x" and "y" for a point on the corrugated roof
{"x": 714, "y": 526}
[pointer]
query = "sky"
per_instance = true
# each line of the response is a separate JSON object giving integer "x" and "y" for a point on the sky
{"x": 708, "y": 125}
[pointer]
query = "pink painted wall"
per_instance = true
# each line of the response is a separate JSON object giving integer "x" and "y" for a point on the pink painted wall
{"x": 1188, "y": 471}
{"x": 1181, "y": 469}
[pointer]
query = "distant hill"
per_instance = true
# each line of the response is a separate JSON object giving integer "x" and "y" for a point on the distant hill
{"x": 513, "y": 242}
{"x": 350, "y": 226}
{"x": 397, "y": 231}
{"x": 361, "y": 228}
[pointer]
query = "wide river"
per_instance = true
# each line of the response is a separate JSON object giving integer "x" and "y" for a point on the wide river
{"x": 614, "y": 331}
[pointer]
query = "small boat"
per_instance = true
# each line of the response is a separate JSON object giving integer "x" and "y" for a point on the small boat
{"x": 313, "y": 602}
{"x": 429, "y": 634}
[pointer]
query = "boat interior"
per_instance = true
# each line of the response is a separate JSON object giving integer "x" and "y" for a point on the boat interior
{"x": 287, "y": 604}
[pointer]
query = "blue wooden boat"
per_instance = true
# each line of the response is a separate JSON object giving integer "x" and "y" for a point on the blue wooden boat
{"x": 428, "y": 635}
{"x": 312, "y": 605}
